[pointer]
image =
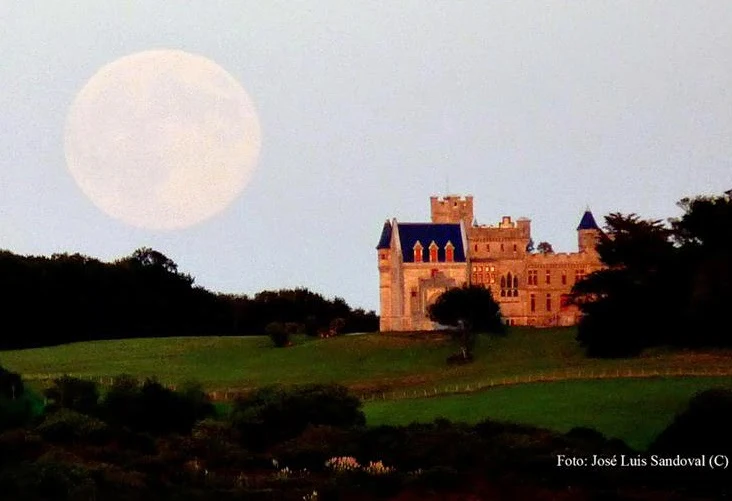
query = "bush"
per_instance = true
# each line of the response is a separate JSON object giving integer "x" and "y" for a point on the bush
{"x": 272, "y": 414}
{"x": 72, "y": 393}
{"x": 67, "y": 425}
{"x": 703, "y": 428}
{"x": 154, "y": 408}
{"x": 11, "y": 385}
{"x": 278, "y": 333}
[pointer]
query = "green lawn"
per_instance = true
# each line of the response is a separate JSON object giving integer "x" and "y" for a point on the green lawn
{"x": 372, "y": 362}
{"x": 634, "y": 410}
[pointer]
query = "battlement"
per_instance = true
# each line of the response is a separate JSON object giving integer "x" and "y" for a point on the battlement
{"x": 452, "y": 209}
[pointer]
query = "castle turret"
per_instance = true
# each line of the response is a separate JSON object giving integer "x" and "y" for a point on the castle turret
{"x": 588, "y": 233}
{"x": 452, "y": 209}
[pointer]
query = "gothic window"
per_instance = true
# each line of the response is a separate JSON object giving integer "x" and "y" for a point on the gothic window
{"x": 417, "y": 252}
{"x": 433, "y": 252}
{"x": 548, "y": 277}
{"x": 533, "y": 303}
{"x": 564, "y": 278}
{"x": 503, "y": 286}
{"x": 476, "y": 247}
{"x": 548, "y": 302}
{"x": 514, "y": 248}
{"x": 533, "y": 277}
{"x": 487, "y": 247}
{"x": 501, "y": 247}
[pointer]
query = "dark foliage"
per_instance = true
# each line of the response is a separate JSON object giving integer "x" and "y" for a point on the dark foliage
{"x": 663, "y": 285}
{"x": 273, "y": 414}
{"x": 469, "y": 310}
{"x": 11, "y": 385}
{"x": 702, "y": 428}
{"x": 71, "y": 297}
{"x": 278, "y": 333}
{"x": 470, "y": 307}
{"x": 73, "y": 393}
{"x": 153, "y": 408}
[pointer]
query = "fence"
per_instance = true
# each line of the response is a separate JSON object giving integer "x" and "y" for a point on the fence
{"x": 223, "y": 395}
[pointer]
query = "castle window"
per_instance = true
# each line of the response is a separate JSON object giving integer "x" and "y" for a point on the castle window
{"x": 564, "y": 278}
{"x": 502, "y": 248}
{"x": 548, "y": 302}
{"x": 509, "y": 286}
{"x": 548, "y": 277}
{"x": 449, "y": 252}
{"x": 414, "y": 293}
{"x": 514, "y": 248}
{"x": 533, "y": 303}
{"x": 533, "y": 277}
{"x": 487, "y": 247}
{"x": 579, "y": 275}
{"x": 433, "y": 252}
{"x": 475, "y": 278}
{"x": 417, "y": 252}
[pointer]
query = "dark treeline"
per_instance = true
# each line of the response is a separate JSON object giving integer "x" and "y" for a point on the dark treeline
{"x": 665, "y": 283}
{"x": 71, "y": 297}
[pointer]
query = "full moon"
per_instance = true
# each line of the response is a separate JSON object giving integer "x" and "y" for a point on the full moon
{"x": 162, "y": 139}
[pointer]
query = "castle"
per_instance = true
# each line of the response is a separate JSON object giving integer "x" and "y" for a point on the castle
{"x": 419, "y": 261}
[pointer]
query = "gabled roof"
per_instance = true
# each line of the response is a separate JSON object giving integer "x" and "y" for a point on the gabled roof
{"x": 588, "y": 222}
{"x": 385, "y": 240}
{"x": 426, "y": 233}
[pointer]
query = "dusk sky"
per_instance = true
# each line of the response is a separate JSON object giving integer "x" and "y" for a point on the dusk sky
{"x": 366, "y": 109}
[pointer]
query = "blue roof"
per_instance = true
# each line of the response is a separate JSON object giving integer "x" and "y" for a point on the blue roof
{"x": 385, "y": 240}
{"x": 587, "y": 222}
{"x": 426, "y": 233}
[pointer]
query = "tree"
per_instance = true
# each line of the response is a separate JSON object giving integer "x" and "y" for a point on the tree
{"x": 545, "y": 248}
{"x": 634, "y": 302}
{"x": 530, "y": 245}
{"x": 469, "y": 309}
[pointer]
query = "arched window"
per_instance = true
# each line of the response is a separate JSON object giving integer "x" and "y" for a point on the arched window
{"x": 503, "y": 286}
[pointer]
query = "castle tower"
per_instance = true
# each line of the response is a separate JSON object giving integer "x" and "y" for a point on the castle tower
{"x": 452, "y": 209}
{"x": 588, "y": 233}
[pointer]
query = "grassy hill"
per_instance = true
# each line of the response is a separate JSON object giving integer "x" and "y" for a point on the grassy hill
{"x": 367, "y": 363}
{"x": 391, "y": 371}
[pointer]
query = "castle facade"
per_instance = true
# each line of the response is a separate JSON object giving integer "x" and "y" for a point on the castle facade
{"x": 419, "y": 261}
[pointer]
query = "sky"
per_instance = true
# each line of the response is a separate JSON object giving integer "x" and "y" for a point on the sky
{"x": 367, "y": 108}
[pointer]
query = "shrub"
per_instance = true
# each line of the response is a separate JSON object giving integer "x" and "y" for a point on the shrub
{"x": 72, "y": 393}
{"x": 154, "y": 408}
{"x": 703, "y": 428}
{"x": 11, "y": 385}
{"x": 278, "y": 333}
{"x": 273, "y": 414}
{"x": 67, "y": 425}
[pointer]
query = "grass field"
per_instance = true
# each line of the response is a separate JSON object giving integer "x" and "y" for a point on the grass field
{"x": 367, "y": 362}
{"x": 634, "y": 410}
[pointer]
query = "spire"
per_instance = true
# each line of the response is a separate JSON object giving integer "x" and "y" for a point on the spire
{"x": 385, "y": 240}
{"x": 588, "y": 221}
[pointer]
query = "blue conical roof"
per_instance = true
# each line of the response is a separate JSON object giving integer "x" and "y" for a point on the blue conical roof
{"x": 385, "y": 240}
{"x": 588, "y": 222}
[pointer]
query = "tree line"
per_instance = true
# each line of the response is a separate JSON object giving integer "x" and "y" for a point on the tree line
{"x": 71, "y": 297}
{"x": 666, "y": 283}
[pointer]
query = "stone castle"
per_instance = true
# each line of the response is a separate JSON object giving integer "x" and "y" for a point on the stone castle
{"x": 419, "y": 261}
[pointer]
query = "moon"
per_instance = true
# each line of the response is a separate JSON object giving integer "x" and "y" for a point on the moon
{"x": 162, "y": 139}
